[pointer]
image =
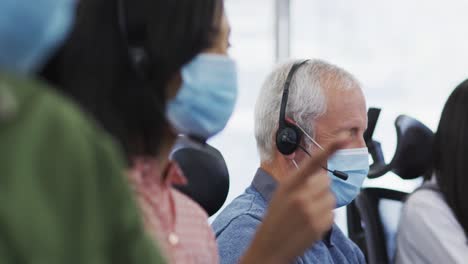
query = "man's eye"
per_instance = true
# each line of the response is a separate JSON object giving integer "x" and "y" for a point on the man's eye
{"x": 353, "y": 132}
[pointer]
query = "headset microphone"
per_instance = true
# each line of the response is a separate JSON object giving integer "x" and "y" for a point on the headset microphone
{"x": 342, "y": 175}
{"x": 339, "y": 174}
{"x": 289, "y": 135}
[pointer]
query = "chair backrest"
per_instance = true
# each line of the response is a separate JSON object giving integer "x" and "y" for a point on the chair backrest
{"x": 206, "y": 172}
{"x": 373, "y": 221}
{"x": 374, "y": 215}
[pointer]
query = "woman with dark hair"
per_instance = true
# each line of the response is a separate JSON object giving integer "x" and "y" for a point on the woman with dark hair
{"x": 149, "y": 70}
{"x": 119, "y": 57}
{"x": 434, "y": 224}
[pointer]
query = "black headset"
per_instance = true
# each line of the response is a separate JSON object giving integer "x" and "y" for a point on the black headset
{"x": 289, "y": 135}
{"x": 132, "y": 26}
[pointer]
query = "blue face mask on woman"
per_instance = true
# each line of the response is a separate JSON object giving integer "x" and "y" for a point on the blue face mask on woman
{"x": 31, "y": 30}
{"x": 207, "y": 97}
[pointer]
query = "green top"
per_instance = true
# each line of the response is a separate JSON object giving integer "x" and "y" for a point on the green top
{"x": 63, "y": 196}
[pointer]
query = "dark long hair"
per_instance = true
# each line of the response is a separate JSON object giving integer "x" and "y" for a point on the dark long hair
{"x": 95, "y": 69}
{"x": 451, "y": 153}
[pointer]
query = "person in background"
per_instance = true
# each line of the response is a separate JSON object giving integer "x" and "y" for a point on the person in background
{"x": 149, "y": 70}
{"x": 434, "y": 221}
{"x": 325, "y": 102}
{"x": 63, "y": 196}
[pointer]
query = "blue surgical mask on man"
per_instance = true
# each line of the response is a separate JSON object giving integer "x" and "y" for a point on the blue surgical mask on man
{"x": 31, "y": 30}
{"x": 207, "y": 97}
{"x": 354, "y": 162}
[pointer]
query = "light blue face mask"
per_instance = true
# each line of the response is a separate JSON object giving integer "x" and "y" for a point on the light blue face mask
{"x": 207, "y": 97}
{"x": 354, "y": 162}
{"x": 31, "y": 30}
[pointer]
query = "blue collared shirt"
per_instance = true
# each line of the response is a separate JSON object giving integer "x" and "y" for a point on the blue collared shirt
{"x": 236, "y": 225}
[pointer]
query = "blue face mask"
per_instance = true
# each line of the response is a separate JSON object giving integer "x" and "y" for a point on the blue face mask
{"x": 31, "y": 30}
{"x": 354, "y": 162}
{"x": 207, "y": 97}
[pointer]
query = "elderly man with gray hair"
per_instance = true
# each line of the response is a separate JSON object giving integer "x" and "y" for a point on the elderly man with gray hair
{"x": 303, "y": 105}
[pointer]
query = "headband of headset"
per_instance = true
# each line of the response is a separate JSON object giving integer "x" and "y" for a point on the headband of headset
{"x": 132, "y": 26}
{"x": 284, "y": 100}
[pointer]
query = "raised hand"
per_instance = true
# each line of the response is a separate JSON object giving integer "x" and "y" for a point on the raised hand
{"x": 300, "y": 212}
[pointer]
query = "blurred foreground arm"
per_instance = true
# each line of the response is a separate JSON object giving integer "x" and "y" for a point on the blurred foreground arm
{"x": 63, "y": 195}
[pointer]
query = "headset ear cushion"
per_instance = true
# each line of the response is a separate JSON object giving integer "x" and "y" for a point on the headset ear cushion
{"x": 287, "y": 140}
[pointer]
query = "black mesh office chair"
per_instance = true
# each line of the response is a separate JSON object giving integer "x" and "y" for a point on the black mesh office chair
{"x": 373, "y": 216}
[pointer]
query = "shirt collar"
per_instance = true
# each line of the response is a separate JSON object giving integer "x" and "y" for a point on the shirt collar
{"x": 147, "y": 172}
{"x": 328, "y": 238}
{"x": 175, "y": 175}
{"x": 266, "y": 185}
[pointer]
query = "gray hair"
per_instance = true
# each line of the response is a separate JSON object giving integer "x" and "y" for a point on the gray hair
{"x": 307, "y": 99}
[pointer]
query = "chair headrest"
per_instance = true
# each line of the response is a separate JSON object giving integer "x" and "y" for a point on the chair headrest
{"x": 206, "y": 172}
{"x": 413, "y": 155}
